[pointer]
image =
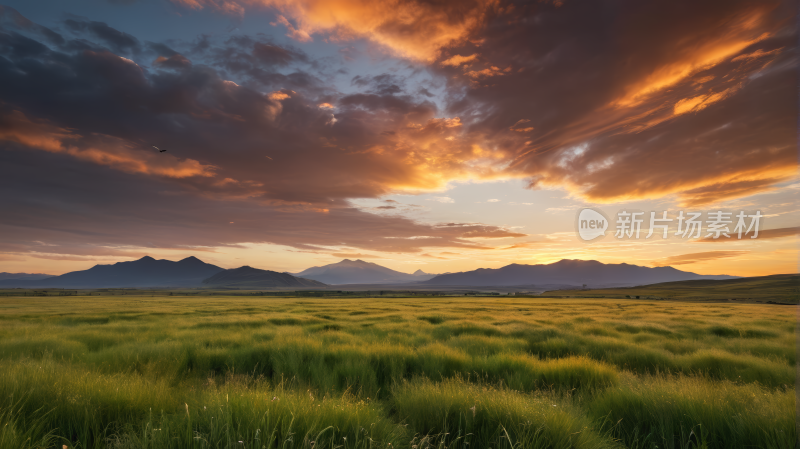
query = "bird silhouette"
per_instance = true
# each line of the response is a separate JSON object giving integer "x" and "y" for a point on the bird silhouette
{"x": 159, "y": 149}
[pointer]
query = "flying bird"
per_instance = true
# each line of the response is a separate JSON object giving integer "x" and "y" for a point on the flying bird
{"x": 159, "y": 149}
{"x": 268, "y": 157}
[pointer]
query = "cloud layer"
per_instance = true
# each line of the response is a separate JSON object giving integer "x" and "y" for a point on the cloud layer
{"x": 609, "y": 101}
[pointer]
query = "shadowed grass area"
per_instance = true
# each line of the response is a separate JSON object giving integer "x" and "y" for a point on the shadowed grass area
{"x": 18, "y": 431}
{"x": 545, "y": 373}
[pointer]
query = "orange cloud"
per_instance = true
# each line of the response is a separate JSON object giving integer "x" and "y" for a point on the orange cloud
{"x": 520, "y": 126}
{"x": 741, "y": 31}
{"x": 762, "y": 234}
{"x": 411, "y": 28}
{"x": 487, "y": 72}
{"x": 355, "y": 256}
{"x": 294, "y": 33}
{"x": 16, "y": 127}
{"x": 700, "y": 102}
{"x": 111, "y": 152}
{"x": 457, "y": 60}
{"x": 758, "y": 54}
{"x": 736, "y": 186}
{"x": 686, "y": 259}
{"x": 128, "y": 160}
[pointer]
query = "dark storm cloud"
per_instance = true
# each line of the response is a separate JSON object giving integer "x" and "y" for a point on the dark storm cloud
{"x": 383, "y": 84}
{"x": 253, "y": 51}
{"x": 176, "y": 61}
{"x": 161, "y": 49}
{"x": 260, "y": 63}
{"x": 116, "y": 40}
{"x": 10, "y": 18}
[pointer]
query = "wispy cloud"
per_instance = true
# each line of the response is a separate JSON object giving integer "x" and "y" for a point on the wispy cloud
{"x": 686, "y": 259}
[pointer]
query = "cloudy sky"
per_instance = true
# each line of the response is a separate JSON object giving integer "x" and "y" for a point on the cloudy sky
{"x": 442, "y": 136}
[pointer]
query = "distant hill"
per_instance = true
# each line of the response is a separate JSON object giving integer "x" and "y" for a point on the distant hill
{"x": 24, "y": 276}
{"x": 359, "y": 272}
{"x": 249, "y": 277}
{"x": 781, "y": 288}
{"x": 142, "y": 273}
{"x": 568, "y": 272}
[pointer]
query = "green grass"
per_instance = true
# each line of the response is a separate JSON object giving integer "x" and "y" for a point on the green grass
{"x": 665, "y": 412}
{"x": 778, "y": 288}
{"x": 247, "y": 372}
{"x": 458, "y": 413}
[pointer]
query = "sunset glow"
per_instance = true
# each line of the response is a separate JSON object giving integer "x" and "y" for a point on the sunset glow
{"x": 442, "y": 136}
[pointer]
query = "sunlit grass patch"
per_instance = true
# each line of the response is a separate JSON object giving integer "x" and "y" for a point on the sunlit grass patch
{"x": 459, "y": 414}
{"x": 78, "y": 404}
{"x": 666, "y": 411}
{"x": 528, "y": 374}
{"x": 721, "y": 364}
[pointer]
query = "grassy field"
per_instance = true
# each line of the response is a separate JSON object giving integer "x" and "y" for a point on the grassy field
{"x": 216, "y": 372}
{"x": 779, "y": 288}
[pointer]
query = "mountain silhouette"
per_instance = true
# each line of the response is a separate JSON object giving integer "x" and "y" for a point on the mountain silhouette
{"x": 568, "y": 272}
{"x": 359, "y": 272}
{"x": 249, "y": 277}
{"x": 142, "y": 273}
{"x": 23, "y": 276}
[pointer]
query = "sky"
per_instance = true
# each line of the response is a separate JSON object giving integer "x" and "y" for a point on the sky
{"x": 442, "y": 136}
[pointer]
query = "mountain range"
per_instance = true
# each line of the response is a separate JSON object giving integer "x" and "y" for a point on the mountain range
{"x": 360, "y": 272}
{"x": 192, "y": 272}
{"x": 252, "y": 278}
{"x": 145, "y": 272}
{"x": 23, "y": 276}
{"x": 569, "y": 272}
